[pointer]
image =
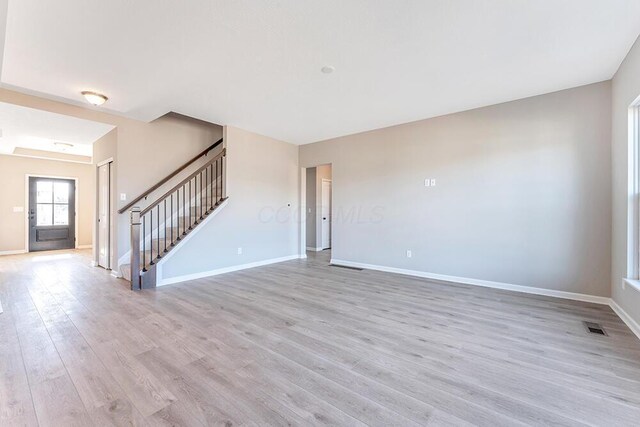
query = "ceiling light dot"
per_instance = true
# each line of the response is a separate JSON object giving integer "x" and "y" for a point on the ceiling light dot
{"x": 328, "y": 69}
{"x": 94, "y": 98}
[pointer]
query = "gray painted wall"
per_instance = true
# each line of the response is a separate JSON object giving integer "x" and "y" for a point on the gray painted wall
{"x": 262, "y": 180}
{"x": 523, "y": 192}
{"x": 625, "y": 89}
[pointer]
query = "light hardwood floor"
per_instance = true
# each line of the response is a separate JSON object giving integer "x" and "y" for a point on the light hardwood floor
{"x": 301, "y": 343}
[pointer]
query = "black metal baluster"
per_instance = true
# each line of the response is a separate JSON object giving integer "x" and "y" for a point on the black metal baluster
{"x": 144, "y": 244}
{"x": 178, "y": 214}
{"x": 200, "y": 175}
{"x": 194, "y": 197}
{"x": 190, "y": 205}
{"x": 150, "y": 238}
{"x": 164, "y": 202}
{"x": 184, "y": 209}
{"x": 221, "y": 177}
{"x": 172, "y": 243}
{"x": 217, "y": 182}
{"x": 196, "y": 200}
{"x": 158, "y": 231}
{"x": 193, "y": 205}
{"x": 206, "y": 190}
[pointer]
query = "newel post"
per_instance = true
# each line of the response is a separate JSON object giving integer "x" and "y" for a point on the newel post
{"x": 135, "y": 249}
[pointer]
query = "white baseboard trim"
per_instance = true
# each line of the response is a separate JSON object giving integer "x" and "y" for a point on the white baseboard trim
{"x": 203, "y": 274}
{"x": 632, "y": 324}
{"x": 477, "y": 282}
{"x": 314, "y": 249}
{"x": 116, "y": 274}
{"x": 16, "y": 252}
{"x": 84, "y": 247}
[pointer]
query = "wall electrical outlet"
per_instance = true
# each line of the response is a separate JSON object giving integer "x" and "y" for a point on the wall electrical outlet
{"x": 409, "y": 254}
{"x": 427, "y": 182}
{"x": 123, "y": 196}
{"x": 433, "y": 182}
{"x": 239, "y": 251}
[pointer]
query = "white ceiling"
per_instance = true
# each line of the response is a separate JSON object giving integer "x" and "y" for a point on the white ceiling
{"x": 256, "y": 64}
{"x": 36, "y": 129}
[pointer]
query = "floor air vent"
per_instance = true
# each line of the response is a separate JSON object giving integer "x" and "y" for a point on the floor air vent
{"x": 595, "y": 328}
{"x": 345, "y": 266}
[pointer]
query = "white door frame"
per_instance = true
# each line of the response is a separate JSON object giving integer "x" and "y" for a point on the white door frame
{"x": 26, "y": 207}
{"x": 97, "y": 241}
{"x": 302, "y": 249}
{"x": 94, "y": 231}
{"x": 320, "y": 226}
{"x": 303, "y": 210}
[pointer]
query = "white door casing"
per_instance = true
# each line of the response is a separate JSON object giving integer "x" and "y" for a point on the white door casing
{"x": 104, "y": 177}
{"x": 326, "y": 214}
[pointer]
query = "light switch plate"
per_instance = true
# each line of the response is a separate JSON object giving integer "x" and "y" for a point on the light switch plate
{"x": 123, "y": 196}
{"x": 18, "y": 209}
{"x": 433, "y": 182}
{"x": 427, "y": 182}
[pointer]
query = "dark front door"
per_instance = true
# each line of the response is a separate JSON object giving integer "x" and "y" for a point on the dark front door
{"x": 52, "y": 214}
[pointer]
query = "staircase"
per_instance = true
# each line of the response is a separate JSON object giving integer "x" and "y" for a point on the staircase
{"x": 163, "y": 224}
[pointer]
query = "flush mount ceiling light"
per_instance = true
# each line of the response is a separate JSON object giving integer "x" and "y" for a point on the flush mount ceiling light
{"x": 328, "y": 69}
{"x": 94, "y": 98}
{"x": 63, "y": 146}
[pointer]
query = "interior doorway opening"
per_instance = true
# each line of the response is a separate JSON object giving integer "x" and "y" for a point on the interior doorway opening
{"x": 318, "y": 224}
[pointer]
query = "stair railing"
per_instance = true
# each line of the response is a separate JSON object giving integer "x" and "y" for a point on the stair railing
{"x": 156, "y": 229}
{"x": 168, "y": 177}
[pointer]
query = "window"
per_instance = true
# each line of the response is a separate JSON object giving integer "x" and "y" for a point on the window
{"x": 52, "y": 200}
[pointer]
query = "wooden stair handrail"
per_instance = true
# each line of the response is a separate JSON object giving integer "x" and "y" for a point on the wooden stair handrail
{"x": 168, "y": 177}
